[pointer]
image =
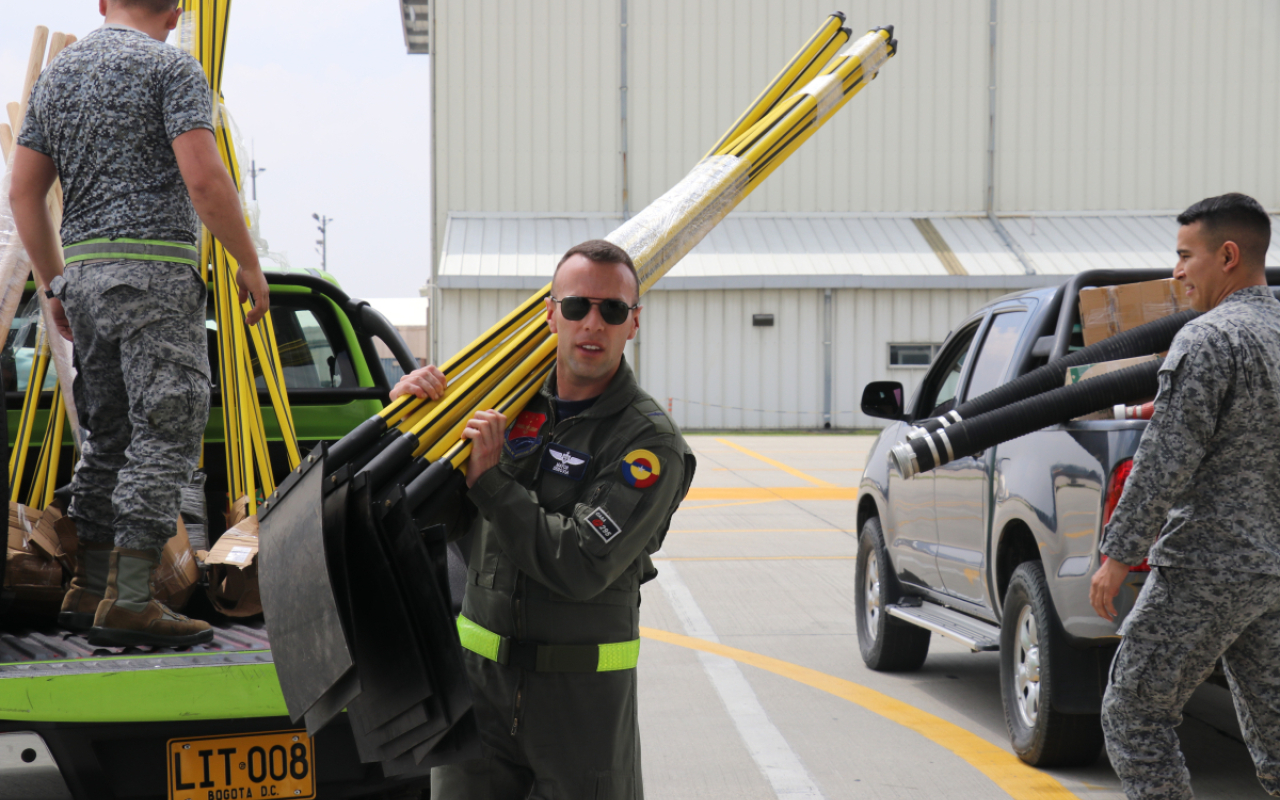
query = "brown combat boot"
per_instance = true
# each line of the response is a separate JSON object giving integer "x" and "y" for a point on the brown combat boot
{"x": 129, "y": 617}
{"x": 88, "y": 587}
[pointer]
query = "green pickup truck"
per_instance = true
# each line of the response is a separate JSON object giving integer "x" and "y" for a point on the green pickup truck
{"x": 84, "y": 722}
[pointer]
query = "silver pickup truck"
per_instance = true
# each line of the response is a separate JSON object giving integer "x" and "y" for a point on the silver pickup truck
{"x": 997, "y": 550}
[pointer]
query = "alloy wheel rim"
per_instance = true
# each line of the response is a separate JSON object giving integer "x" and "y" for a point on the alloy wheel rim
{"x": 872, "y": 595}
{"x": 1027, "y": 668}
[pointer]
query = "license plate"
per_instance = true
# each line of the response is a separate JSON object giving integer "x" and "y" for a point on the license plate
{"x": 248, "y": 765}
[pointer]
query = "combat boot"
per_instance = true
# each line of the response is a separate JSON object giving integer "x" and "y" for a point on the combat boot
{"x": 88, "y": 587}
{"x": 128, "y": 616}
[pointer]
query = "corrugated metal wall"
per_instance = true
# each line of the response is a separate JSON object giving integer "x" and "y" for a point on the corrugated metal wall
{"x": 1102, "y": 104}
{"x": 699, "y": 350}
{"x": 526, "y": 106}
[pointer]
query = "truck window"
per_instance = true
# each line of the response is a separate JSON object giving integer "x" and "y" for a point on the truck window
{"x": 313, "y": 351}
{"x": 939, "y": 392}
{"x": 996, "y": 352}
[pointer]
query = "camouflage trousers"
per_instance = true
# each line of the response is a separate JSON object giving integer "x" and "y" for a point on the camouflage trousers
{"x": 142, "y": 392}
{"x": 1184, "y": 620}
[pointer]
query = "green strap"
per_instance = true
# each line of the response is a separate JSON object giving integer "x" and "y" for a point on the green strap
{"x": 131, "y": 250}
{"x": 553, "y": 657}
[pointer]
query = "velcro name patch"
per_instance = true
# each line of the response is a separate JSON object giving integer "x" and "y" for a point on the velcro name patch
{"x": 560, "y": 460}
{"x": 604, "y": 524}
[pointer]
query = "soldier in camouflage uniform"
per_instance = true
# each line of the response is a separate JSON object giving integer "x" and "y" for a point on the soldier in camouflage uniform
{"x": 124, "y": 121}
{"x": 568, "y": 504}
{"x": 1206, "y": 481}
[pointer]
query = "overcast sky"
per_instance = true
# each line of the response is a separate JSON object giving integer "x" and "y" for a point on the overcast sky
{"x": 336, "y": 110}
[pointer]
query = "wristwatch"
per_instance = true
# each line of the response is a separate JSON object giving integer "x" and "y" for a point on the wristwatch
{"x": 49, "y": 294}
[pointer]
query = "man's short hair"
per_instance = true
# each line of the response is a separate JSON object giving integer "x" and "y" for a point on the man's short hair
{"x": 1236, "y": 217}
{"x": 154, "y": 6}
{"x": 601, "y": 252}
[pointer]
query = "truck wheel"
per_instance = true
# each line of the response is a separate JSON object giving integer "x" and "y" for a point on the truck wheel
{"x": 887, "y": 644}
{"x": 1029, "y": 637}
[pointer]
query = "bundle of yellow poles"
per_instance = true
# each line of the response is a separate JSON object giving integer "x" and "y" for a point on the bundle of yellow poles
{"x": 203, "y": 33}
{"x": 504, "y": 367}
{"x": 14, "y": 272}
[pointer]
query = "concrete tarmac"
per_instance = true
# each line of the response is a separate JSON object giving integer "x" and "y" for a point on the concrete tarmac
{"x": 751, "y": 685}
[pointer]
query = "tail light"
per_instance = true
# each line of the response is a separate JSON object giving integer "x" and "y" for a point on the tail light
{"x": 1115, "y": 488}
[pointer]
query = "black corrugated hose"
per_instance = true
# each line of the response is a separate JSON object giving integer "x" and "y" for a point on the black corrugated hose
{"x": 971, "y": 436}
{"x": 1153, "y": 337}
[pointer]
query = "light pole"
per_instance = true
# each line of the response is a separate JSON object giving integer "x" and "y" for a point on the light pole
{"x": 254, "y": 169}
{"x": 323, "y": 227}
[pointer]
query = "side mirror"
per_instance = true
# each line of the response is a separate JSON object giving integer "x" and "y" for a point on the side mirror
{"x": 883, "y": 399}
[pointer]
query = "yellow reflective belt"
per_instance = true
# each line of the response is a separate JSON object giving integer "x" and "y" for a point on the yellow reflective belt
{"x": 611, "y": 657}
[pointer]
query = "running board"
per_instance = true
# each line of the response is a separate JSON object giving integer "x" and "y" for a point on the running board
{"x": 972, "y": 633}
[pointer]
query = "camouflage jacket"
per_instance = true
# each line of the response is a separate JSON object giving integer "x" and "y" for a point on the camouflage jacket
{"x": 106, "y": 111}
{"x": 1206, "y": 477}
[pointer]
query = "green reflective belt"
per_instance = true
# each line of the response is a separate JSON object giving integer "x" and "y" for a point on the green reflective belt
{"x": 131, "y": 250}
{"x": 548, "y": 657}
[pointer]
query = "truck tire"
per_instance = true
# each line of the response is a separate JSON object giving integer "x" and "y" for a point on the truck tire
{"x": 887, "y": 644}
{"x": 1029, "y": 637}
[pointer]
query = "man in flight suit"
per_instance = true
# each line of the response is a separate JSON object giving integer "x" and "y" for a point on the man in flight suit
{"x": 1205, "y": 489}
{"x": 570, "y": 501}
{"x": 126, "y": 122}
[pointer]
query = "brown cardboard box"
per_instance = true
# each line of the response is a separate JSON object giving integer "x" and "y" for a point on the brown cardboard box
{"x": 176, "y": 578}
{"x": 1108, "y": 310}
{"x": 233, "y": 571}
{"x": 31, "y": 572}
{"x": 1086, "y": 371}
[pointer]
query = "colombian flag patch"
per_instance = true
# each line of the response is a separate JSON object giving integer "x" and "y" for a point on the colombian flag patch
{"x": 641, "y": 469}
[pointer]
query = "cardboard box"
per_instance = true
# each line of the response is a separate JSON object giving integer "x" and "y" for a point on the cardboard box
{"x": 31, "y": 572}
{"x": 175, "y": 579}
{"x": 233, "y": 571}
{"x": 1084, "y": 372}
{"x": 1108, "y": 310}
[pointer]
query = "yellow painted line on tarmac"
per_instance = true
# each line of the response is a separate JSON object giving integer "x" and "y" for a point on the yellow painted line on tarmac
{"x": 684, "y": 507}
{"x": 826, "y": 492}
{"x": 1021, "y": 781}
{"x": 756, "y": 558}
{"x": 758, "y": 530}
{"x": 773, "y": 463}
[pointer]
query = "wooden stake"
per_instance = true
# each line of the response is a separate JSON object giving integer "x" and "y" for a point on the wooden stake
{"x": 38, "y": 44}
{"x": 15, "y": 118}
{"x": 56, "y": 44}
{"x": 6, "y": 139}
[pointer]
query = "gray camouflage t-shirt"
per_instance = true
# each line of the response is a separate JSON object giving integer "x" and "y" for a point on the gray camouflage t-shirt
{"x": 1206, "y": 477}
{"x": 107, "y": 111}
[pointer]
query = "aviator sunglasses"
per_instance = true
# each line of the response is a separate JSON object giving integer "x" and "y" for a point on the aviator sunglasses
{"x": 612, "y": 311}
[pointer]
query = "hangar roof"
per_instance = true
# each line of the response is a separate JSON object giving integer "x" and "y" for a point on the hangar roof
{"x": 763, "y": 250}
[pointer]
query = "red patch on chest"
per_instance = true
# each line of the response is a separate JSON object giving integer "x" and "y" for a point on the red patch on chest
{"x": 526, "y": 425}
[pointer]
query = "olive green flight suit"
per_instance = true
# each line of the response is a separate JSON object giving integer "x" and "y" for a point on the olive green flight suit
{"x": 565, "y": 527}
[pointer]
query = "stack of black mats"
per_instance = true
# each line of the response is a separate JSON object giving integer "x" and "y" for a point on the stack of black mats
{"x": 357, "y": 602}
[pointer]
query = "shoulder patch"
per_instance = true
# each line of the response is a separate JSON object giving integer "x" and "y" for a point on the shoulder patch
{"x": 526, "y": 425}
{"x": 641, "y": 468}
{"x": 561, "y": 460}
{"x": 604, "y": 524}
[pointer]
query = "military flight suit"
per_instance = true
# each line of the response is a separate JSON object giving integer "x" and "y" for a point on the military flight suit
{"x": 564, "y": 529}
{"x": 106, "y": 111}
{"x": 1206, "y": 478}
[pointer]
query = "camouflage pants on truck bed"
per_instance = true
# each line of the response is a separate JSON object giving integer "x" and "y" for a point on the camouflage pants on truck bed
{"x": 1184, "y": 620}
{"x": 142, "y": 392}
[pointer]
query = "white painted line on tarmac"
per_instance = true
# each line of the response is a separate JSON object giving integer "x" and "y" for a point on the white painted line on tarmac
{"x": 775, "y": 758}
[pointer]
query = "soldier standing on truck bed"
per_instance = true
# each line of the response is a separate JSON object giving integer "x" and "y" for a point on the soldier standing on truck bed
{"x": 568, "y": 503}
{"x": 1206, "y": 479}
{"x": 125, "y": 121}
